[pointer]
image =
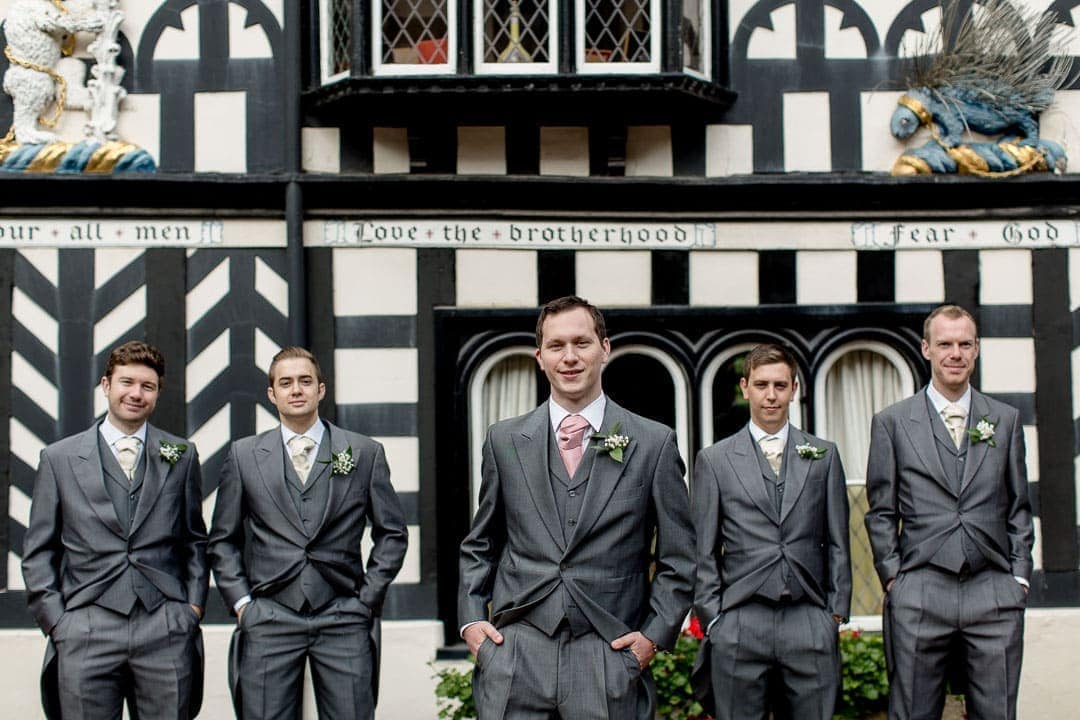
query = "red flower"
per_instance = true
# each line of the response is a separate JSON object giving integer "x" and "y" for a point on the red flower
{"x": 694, "y": 628}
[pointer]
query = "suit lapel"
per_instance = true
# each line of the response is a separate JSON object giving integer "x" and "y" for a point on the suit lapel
{"x": 153, "y": 480}
{"x": 796, "y": 471}
{"x": 977, "y": 451}
{"x": 332, "y": 443}
{"x": 270, "y": 460}
{"x": 86, "y": 465}
{"x": 604, "y": 473}
{"x": 531, "y": 444}
{"x": 920, "y": 431}
{"x": 744, "y": 462}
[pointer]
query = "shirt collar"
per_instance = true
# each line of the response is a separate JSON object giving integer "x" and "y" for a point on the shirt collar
{"x": 315, "y": 432}
{"x": 593, "y": 412}
{"x": 111, "y": 433}
{"x": 758, "y": 434}
{"x": 939, "y": 401}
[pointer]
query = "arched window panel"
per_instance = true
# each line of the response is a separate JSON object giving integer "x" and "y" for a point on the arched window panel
{"x": 854, "y": 382}
{"x": 503, "y": 386}
{"x": 335, "y": 21}
{"x": 618, "y": 36}
{"x": 414, "y": 37}
{"x": 724, "y": 411}
{"x": 516, "y": 36}
{"x": 651, "y": 383}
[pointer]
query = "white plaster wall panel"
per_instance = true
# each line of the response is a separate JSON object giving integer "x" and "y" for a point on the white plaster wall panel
{"x": 246, "y": 42}
{"x": 880, "y": 149}
{"x": 139, "y": 122}
{"x": 1031, "y": 452}
{"x": 35, "y": 386}
{"x": 1075, "y": 355}
{"x": 826, "y": 277}
{"x": 265, "y": 350}
{"x": 202, "y": 369}
{"x": 807, "y": 145}
{"x": 648, "y": 151}
{"x": 390, "y": 150}
{"x": 34, "y": 318}
{"x": 481, "y": 150}
{"x": 374, "y": 281}
{"x": 914, "y": 39}
{"x": 272, "y": 287}
{"x": 111, "y": 328}
{"x": 1005, "y": 277}
{"x": 211, "y": 290}
{"x": 375, "y": 375}
{"x": 1036, "y": 547}
{"x": 136, "y": 15}
{"x": 410, "y": 568}
{"x": 609, "y": 279}
{"x": 723, "y": 278}
{"x": 403, "y": 457}
{"x": 840, "y": 41}
{"x": 45, "y": 260}
{"x": 920, "y": 276}
{"x": 1059, "y": 122}
{"x": 729, "y": 150}
{"x": 19, "y": 506}
{"x": 564, "y": 151}
{"x": 321, "y": 149}
{"x": 778, "y": 43}
{"x": 496, "y": 278}
{"x": 1074, "y": 279}
{"x": 109, "y": 261}
{"x": 179, "y": 44}
{"x": 221, "y": 132}
{"x": 1008, "y": 365}
{"x": 882, "y": 13}
{"x": 25, "y": 445}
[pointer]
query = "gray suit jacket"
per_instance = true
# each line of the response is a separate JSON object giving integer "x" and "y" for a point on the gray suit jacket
{"x": 741, "y": 539}
{"x": 75, "y": 545}
{"x": 516, "y": 554}
{"x": 913, "y": 508}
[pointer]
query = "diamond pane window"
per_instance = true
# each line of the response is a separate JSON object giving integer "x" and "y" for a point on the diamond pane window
{"x": 336, "y": 20}
{"x": 415, "y": 36}
{"x": 618, "y": 32}
{"x": 516, "y": 36}
{"x": 695, "y": 46}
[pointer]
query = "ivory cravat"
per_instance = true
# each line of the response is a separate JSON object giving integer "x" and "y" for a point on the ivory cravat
{"x": 127, "y": 454}
{"x": 571, "y": 433}
{"x": 773, "y": 449}
{"x": 300, "y": 447}
{"x": 955, "y": 421}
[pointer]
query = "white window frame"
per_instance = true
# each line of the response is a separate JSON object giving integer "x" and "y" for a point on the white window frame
{"x": 477, "y": 428}
{"x": 618, "y": 68}
{"x": 679, "y": 381}
{"x": 708, "y": 377}
{"x": 378, "y": 67}
{"x": 868, "y": 623}
{"x": 326, "y": 47}
{"x": 529, "y": 68}
{"x": 706, "y": 44}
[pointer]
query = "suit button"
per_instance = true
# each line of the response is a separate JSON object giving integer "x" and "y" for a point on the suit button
{"x": 564, "y": 566}
{"x": 573, "y": 493}
{"x": 571, "y": 522}
{"x": 132, "y": 496}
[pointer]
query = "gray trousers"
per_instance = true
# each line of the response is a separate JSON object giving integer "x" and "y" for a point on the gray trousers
{"x": 279, "y": 642}
{"x": 532, "y": 676}
{"x": 104, "y": 656}
{"x": 782, "y": 658}
{"x": 930, "y": 611}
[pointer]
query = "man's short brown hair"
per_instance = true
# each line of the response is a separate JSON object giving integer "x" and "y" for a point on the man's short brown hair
{"x": 569, "y": 302}
{"x": 288, "y": 353}
{"x": 136, "y": 352}
{"x": 953, "y": 312}
{"x": 770, "y": 354}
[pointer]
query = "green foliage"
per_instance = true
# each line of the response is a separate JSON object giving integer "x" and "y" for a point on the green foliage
{"x": 671, "y": 671}
{"x": 865, "y": 682}
{"x": 453, "y": 693}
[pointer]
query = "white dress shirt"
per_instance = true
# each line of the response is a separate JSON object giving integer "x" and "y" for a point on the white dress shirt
{"x": 111, "y": 434}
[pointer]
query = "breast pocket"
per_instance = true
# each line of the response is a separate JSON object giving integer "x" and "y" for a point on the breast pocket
{"x": 627, "y": 495}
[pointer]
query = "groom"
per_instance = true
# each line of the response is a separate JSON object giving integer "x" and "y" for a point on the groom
{"x": 581, "y": 544}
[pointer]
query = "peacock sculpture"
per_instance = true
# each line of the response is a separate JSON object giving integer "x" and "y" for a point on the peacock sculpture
{"x": 992, "y": 69}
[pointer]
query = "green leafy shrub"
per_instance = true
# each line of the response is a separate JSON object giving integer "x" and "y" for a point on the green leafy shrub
{"x": 864, "y": 686}
{"x": 453, "y": 693}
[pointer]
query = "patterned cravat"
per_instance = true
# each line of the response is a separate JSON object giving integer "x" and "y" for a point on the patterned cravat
{"x": 127, "y": 454}
{"x": 571, "y": 432}
{"x": 773, "y": 449}
{"x": 300, "y": 451}
{"x": 955, "y": 420}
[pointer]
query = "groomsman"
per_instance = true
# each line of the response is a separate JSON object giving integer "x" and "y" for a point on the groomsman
{"x": 950, "y": 526}
{"x": 773, "y": 566}
{"x": 115, "y": 558}
{"x": 292, "y": 506}
{"x": 581, "y": 545}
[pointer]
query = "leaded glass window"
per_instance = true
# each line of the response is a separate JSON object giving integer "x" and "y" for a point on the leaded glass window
{"x": 415, "y": 35}
{"x": 516, "y": 36}
{"x": 618, "y": 32}
{"x": 336, "y": 20}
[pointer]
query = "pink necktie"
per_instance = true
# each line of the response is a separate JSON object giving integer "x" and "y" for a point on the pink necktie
{"x": 571, "y": 431}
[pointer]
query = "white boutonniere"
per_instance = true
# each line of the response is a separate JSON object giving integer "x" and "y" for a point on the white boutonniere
{"x": 983, "y": 432}
{"x": 341, "y": 463}
{"x": 171, "y": 452}
{"x": 613, "y": 443}
{"x": 810, "y": 452}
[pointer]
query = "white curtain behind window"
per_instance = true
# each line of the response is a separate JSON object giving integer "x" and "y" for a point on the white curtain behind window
{"x": 859, "y": 384}
{"x": 509, "y": 389}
